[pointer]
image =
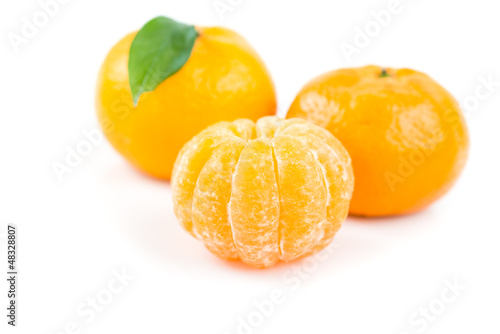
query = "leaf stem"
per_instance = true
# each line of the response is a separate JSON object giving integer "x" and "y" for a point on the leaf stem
{"x": 384, "y": 73}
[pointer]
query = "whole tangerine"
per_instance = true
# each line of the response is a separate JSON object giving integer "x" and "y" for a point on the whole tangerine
{"x": 177, "y": 80}
{"x": 405, "y": 133}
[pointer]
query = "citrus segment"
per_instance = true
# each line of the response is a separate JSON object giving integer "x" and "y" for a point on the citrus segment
{"x": 339, "y": 179}
{"x": 303, "y": 197}
{"x": 255, "y": 206}
{"x": 194, "y": 156}
{"x": 211, "y": 197}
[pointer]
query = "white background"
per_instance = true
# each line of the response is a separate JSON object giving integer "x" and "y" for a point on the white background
{"x": 105, "y": 216}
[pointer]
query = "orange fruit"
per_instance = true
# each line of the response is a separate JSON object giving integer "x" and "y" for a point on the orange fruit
{"x": 405, "y": 133}
{"x": 263, "y": 192}
{"x": 223, "y": 78}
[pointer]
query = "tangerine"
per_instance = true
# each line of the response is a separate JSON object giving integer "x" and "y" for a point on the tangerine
{"x": 223, "y": 79}
{"x": 262, "y": 192}
{"x": 405, "y": 133}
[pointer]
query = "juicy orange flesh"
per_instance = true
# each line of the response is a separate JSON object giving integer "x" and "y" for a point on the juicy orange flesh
{"x": 264, "y": 192}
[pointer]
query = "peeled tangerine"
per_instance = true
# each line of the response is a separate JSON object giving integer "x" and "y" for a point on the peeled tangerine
{"x": 263, "y": 192}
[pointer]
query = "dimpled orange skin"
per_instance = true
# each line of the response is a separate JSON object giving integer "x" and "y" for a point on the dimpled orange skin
{"x": 264, "y": 192}
{"x": 405, "y": 133}
{"x": 223, "y": 79}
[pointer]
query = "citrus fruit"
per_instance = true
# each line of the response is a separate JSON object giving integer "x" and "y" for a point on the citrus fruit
{"x": 159, "y": 87}
{"x": 263, "y": 192}
{"x": 405, "y": 133}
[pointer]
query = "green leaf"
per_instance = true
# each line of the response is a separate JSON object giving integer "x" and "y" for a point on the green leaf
{"x": 159, "y": 50}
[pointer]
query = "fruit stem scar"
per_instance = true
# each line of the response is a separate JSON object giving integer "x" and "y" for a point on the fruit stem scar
{"x": 384, "y": 73}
